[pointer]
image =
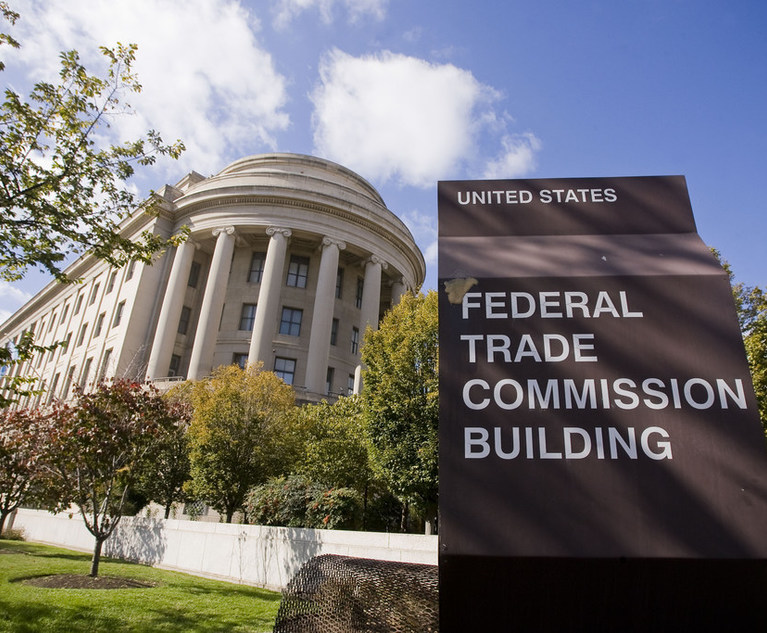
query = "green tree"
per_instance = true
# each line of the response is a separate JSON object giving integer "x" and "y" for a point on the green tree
{"x": 242, "y": 432}
{"x": 402, "y": 400}
{"x": 63, "y": 192}
{"x": 96, "y": 449}
{"x": 751, "y": 307}
{"x": 163, "y": 479}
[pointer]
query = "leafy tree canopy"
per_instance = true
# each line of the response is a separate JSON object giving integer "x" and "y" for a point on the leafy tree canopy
{"x": 242, "y": 432}
{"x": 61, "y": 191}
{"x": 96, "y": 449}
{"x": 402, "y": 399}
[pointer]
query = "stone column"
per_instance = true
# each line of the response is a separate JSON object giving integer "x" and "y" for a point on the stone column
{"x": 170, "y": 312}
{"x": 201, "y": 361}
{"x": 371, "y": 301}
{"x": 322, "y": 316}
{"x": 269, "y": 297}
{"x": 398, "y": 288}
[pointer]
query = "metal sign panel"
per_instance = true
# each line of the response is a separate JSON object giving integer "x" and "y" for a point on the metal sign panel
{"x": 595, "y": 399}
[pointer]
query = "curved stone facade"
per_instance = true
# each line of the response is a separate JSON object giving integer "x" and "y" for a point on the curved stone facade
{"x": 289, "y": 259}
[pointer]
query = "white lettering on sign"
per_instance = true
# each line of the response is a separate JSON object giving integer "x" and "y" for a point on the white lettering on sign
{"x": 548, "y": 305}
{"x": 591, "y": 393}
{"x": 546, "y": 196}
{"x": 611, "y": 442}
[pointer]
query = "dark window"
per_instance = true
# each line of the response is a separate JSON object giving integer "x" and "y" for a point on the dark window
{"x": 298, "y": 271}
{"x": 131, "y": 269}
{"x": 256, "y": 267}
{"x": 339, "y": 282}
{"x": 355, "y": 340}
{"x": 285, "y": 368}
{"x": 79, "y": 303}
{"x": 111, "y": 284}
{"x": 291, "y": 321}
{"x": 64, "y": 314}
{"x": 81, "y": 336}
{"x": 360, "y": 287}
{"x": 247, "y": 316}
{"x": 329, "y": 380}
{"x": 99, "y": 324}
{"x": 86, "y": 371}
{"x": 334, "y": 332}
{"x": 241, "y": 360}
{"x": 350, "y": 384}
{"x": 118, "y": 314}
{"x": 175, "y": 361}
{"x": 105, "y": 364}
{"x": 183, "y": 322}
{"x": 94, "y": 293}
{"x": 194, "y": 275}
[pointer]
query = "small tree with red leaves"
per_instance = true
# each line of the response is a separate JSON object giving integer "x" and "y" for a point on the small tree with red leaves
{"x": 20, "y": 449}
{"x": 98, "y": 446}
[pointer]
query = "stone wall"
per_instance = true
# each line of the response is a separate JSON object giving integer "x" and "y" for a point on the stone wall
{"x": 249, "y": 554}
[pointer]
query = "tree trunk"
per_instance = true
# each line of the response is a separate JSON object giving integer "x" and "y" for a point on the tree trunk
{"x": 96, "y": 558}
{"x": 3, "y": 517}
{"x": 167, "y": 509}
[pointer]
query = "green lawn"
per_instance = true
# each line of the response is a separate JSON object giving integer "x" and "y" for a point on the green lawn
{"x": 178, "y": 602}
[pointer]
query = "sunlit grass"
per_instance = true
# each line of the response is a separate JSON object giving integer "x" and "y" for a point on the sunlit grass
{"x": 178, "y": 602}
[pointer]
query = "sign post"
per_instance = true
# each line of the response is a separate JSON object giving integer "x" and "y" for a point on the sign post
{"x": 602, "y": 463}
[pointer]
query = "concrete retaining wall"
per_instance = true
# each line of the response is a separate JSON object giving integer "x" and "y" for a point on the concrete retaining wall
{"x": 249, "y": 554}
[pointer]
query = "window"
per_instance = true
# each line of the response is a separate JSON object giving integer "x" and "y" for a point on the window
{"x": 86, "y": 372}
{"x": 360, "y": 287}
{"x": 53, "y": 321}
{"x": 111, "y": 283}
{"x": 334, "y": 332}
{"x": 94, "y": 294}
{"x": 194, "y": 275}
{"x": 105, "y": 364}
{"x": 54, "y": 384}
{"x": 81, "y": 336}
{"x": 339, "y": 282}
{"x": 247, "y": 316}
{"x": 67, "y": 340}
{"x": 350, "y": 384}
{"x": 298, "y": 271}
{"x": 285, "y": 368}
{"x": 79, "y": 303}
{"x": 329, "y": 380}
{"x": 355, "y": 340}
{"x": 291, "y": 321}
{"x": 241, "y": 360}
{"x": 68, "y": 382}
{"x": 131, "y": 270}
{"x": 175, "y": 363}
{"x": 99, "y": 324}
{"x": 64, "y": 314}
{"x": 256, "y": 267}
{"x": 183, "y": 321}
{"x": 118, "y": 314}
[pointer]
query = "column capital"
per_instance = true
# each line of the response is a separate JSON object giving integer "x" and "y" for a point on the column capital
{"x": 375, "y": 259}
{"x": 229, "y": 230}
{"x": 330, "y": 241}
{"x": 274, "y": 230}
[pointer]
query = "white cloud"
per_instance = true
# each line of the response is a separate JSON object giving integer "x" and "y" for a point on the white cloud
{"x": 11, "y": 298}
{"x": 393, "y": 117}
{"x": 286, "y": 10}
{"x": 516, "y": 158}
{"x": 206, "y": 79}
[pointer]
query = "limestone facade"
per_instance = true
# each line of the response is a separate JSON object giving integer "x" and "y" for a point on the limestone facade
{"x": 289, "y": 259}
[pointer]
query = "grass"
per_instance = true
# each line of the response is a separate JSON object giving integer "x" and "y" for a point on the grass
{"x": 178, "y": 602}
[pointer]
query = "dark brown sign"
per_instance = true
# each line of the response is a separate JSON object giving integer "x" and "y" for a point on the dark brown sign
{"x": 596, "y": 404}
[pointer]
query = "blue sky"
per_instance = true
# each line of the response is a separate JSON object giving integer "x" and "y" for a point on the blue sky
{"x": 409, "y": 92}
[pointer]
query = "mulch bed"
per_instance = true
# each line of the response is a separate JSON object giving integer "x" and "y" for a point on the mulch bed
{"x": 78, "y": 581}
